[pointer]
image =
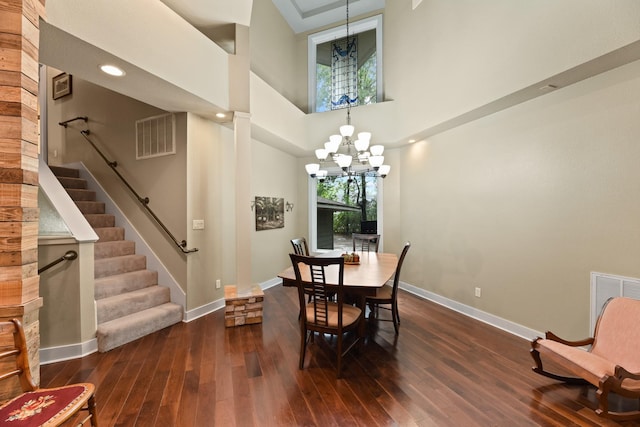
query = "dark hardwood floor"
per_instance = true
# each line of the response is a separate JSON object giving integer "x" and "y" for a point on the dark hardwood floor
{"x": 444, "y": 369}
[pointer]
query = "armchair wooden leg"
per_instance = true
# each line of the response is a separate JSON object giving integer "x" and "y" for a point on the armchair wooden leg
{"x": 92, "y": 411}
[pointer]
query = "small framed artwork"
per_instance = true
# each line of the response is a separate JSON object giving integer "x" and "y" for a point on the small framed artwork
{"x": 61, "y": 85}
{"x": 269, "y": 213}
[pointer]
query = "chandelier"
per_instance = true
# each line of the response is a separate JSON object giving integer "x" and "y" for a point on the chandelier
{"x": 352, "y": 155}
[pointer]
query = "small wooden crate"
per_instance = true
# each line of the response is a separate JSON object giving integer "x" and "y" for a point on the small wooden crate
{"x": 244, "y": 308}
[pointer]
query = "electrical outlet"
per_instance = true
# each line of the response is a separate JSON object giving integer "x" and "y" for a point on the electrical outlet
{"x": 217, "y": 283}
{"x": 478, "y": 292}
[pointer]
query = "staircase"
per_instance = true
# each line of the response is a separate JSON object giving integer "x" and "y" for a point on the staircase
{"x": 129, "y": 302}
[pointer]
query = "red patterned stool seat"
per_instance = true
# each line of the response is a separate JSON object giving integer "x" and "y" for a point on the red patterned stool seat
{"x": 45, "y": 407}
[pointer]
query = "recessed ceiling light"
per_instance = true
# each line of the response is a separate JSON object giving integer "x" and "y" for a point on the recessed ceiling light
{"x": 112, "y": 70}
{"x": 411, "y": 141}
{"x": 221, "y": 115}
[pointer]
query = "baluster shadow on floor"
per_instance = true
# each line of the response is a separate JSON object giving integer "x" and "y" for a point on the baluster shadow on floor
{"x": 443, "y": 369}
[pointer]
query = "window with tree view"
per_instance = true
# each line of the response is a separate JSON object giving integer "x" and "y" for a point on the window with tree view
{"x": 345, "y": 206}
{"x": 324, "y": 78}
{"x": 329, "y": 86}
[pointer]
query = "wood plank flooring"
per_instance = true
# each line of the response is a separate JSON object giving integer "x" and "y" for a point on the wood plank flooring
{"x": 444, "y": 369}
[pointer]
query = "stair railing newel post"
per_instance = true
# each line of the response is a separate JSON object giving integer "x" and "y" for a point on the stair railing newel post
{"x": 144, "y": 201}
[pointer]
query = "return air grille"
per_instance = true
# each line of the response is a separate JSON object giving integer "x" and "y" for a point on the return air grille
{"x": 155, "y": 136}
{"x": 605, "y": 286}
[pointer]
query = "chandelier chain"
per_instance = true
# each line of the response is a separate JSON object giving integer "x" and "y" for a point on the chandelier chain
{"x": 369, "y": 159}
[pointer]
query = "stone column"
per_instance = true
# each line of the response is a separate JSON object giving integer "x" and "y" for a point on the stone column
{"x": 19, "y": 144}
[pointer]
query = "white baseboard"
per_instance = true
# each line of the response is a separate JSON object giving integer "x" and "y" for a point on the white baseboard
{"x": 483, "y": 316}
{"x": 203, "y": 310}
{"x": 67, "y": 352}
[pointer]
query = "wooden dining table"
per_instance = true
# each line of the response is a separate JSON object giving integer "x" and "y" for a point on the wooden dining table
{"x": 359, "y": 281}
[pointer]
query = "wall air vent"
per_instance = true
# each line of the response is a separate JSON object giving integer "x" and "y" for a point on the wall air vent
{"x": 605, "y": 286}
{"x": 155, "y": 136}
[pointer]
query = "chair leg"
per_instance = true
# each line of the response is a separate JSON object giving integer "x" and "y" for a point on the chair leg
{"x": 397, "y": 311}
{"x": 339, "y": 374}
{"x": 303, "y": 346}
{"x": 91, "y": 404}
{"x": 395, "y": 317}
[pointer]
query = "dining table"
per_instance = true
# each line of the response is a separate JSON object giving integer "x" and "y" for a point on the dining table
{"x": 360, "y": 280}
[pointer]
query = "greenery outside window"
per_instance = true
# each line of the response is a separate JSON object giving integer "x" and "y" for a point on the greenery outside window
{"x": 340, "y": 206}
{"x": 369, "y": 64}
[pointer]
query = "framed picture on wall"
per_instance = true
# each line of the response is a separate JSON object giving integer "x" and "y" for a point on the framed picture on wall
{"x": 269, "y": 213}
{"x": 61, "y": 85}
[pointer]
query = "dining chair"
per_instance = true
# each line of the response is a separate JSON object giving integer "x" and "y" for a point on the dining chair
{"x": 321, "y": 314}
{"x": 300, "y": 246}
{"x": 37, "y": 406}
{"x": 388, "y": 295}
{"x": 365, "y": 242}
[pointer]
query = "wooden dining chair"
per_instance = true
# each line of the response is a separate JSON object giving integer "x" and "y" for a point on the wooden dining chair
{"x": 321, "y": 314}
{"x": 365, "y": 242}
{"x": 300, "y": 246}
{"x": 388, "y": 295}
{"x": 37, "y": 406}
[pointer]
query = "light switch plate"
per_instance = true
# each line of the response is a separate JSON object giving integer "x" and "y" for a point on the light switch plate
{"x": 198, "y": 224}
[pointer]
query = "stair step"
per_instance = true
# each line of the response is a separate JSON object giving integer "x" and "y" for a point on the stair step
{"x": 107, "y": 234}
{"x": 131, "y": 302}
{"x": 101, "y": 220}
{"x": 129, "y": 328}
{"x": 78, "y": 194}
{"x": 113, "y": 249}
{"x": 62, "y": 171}
{"x": 76, "y": 183}
{"x": 90, "y": 207}
{"x": 109, "y": 286}
{"x": 118, "y": 265}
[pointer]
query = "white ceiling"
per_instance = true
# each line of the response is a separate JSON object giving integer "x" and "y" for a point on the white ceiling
{"x": 302, "y": 15}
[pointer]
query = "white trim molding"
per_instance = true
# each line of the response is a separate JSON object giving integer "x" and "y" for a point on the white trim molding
{"x": 67, "y": 352}
{"x": 474, "y": 313}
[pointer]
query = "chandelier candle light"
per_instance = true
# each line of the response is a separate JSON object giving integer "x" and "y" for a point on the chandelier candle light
{"x": 352, "y": 156}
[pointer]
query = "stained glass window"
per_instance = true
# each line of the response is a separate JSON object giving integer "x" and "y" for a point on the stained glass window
{"x": 344, "y": 72}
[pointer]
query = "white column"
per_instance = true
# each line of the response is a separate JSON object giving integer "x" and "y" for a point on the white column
{"x": 244, "y": 214}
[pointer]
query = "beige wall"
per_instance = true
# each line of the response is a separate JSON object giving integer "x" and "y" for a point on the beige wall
{"x": 278, "y": 55}
{"x": 112, "y": 124}
{"x": 210, "y": 196}
{"x": 275, "y": 174}
{"x": 67, "y": 316}
{"x": 527, "y": 202}
{"x": 445, "y": 58}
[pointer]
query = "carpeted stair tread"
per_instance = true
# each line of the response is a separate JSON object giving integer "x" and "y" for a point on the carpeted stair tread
{"x": 113, "y": 249}
{"x": 62, "y": 171}
{"x": 109, "y": 286}
{"x": 108, "y": 234}
{"x": 76, "y": 183}
{"x": 101, "y": 220}
{"x": 90, "y": 207}
{"x": 131, "y": 302}
{"x": 118, "y": 265}
{"x": 129, "y": 328}
{"x": 77, "y": 194}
